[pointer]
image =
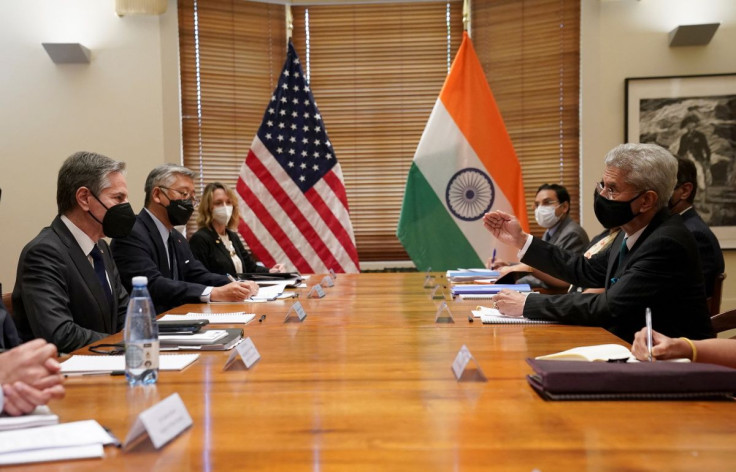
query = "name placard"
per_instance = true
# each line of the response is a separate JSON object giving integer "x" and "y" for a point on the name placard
{"x": 437, "y": 293}
{"x": 429, "y": 281}
{"x": 327, "y": 281}
{"x": 460, "y": 364}
{"x": 443, "y": 314}
{"x": 316, "y": 292}
{"x": 162, "y": 422}
{"x": 298, "y": 309}
{"x": 246, "y": 351}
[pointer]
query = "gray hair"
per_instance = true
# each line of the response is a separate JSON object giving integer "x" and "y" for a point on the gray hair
{"x": 83, "y": 169}
{"x": 646, "y": 167}
{"x": 163, "y": 176}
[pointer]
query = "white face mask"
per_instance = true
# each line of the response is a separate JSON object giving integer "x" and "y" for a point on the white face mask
{"x": 222, "y": 214}
{"x": 545, "y": 216}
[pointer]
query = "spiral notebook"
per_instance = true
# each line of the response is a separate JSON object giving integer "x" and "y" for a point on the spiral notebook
{"x": 493, "y": 316}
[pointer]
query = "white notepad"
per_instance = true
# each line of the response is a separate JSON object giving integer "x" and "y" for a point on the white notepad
{"x": 493, "y": 316}
{"x": 210, "y": 336}
{"x": 41, "y": 416}
{"x": 79, "y": 363}
{"x": 213, "y": 318}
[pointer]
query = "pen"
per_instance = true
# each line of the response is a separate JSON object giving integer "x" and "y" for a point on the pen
{"x": 263, "y": 317}
{"x": 88, "y": 374}
{"x": 493, "y": 258}
{"x": 470, "y": 318}
{"x": 232, "y": 279}
{"x": 648, "y": 316}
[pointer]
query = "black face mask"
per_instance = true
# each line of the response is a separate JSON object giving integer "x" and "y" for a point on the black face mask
{"x": 179, "y": 211}
{"x": 118, "y": 221}
{"x": 613, "y": 213}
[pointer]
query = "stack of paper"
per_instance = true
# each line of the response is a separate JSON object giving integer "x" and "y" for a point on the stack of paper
{"x": 471, "y": 275}
{"x": 41, "y": 416}
{"x": 213, "y": 318}
{"x": 77, "y": 440}
{"x": 78, "y": 364}
{"x": 486, "y": 291}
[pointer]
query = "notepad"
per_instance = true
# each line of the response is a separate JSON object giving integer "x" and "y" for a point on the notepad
{"x": 238, "y": 317}
{"x": 82, "y": 363}
{"x": 597, "y": 353}
{"x": 210, "y": 336}
{"x": 493, "y": 316}
{"x": 41, "y": 416}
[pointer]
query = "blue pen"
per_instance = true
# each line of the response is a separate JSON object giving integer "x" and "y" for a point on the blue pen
{"x": 493, "y": 258}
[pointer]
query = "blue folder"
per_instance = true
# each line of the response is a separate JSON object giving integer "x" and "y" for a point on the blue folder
{"x": 486, "y": 289}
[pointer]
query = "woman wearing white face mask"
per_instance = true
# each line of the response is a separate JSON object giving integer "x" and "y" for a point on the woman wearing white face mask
{"x": 215, "y": 244}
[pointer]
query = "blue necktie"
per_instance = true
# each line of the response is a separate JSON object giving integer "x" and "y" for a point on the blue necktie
{"x": 99, "y": 265}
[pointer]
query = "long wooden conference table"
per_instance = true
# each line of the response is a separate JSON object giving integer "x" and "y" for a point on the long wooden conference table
{"x": 365, "y": 383}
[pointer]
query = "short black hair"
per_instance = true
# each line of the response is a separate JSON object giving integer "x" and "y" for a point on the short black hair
{"x": 686, "y": 172}
{"x": 561, "y": 192}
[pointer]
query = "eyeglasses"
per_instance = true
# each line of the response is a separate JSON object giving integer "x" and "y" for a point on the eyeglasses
{"x": 109, "y": 349}
{"x": 191, "y": 196}
{"x": 607, "y": 192}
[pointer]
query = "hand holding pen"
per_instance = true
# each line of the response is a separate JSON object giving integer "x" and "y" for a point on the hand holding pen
{"x": 235, "y": 291}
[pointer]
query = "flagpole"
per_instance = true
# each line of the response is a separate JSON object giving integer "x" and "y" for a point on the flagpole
{"x": 289, "y": 24}
{"x": 466, "y": 17}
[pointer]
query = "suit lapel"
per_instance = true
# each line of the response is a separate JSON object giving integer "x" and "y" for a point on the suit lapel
{"x": 86, "y": 271}
{"x": 162, "y": 259}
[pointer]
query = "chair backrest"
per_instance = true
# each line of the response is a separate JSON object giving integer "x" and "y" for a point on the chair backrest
{"x": 714, "y": 301}
{"x": 724, "y": 321}
{"x": 8, "y": 302}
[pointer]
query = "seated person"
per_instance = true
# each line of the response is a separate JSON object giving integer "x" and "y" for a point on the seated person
{"x": 216, "y": 244}
{"x": 67, "y": 289}
{"x": 552, "y": 211}
{"x": 8, "y": 333}
{"x": 29, "y": 377}
{"x": 653, "y": 262}
{"x": 711, "y": 256}
{"x": 712, "y": 351}
{"x": 158, "y": 251}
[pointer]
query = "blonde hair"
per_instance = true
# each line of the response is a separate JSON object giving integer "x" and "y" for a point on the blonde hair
{"x": 204, "y": 218}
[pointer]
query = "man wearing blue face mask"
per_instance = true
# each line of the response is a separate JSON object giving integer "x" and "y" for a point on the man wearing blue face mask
{"x": 158, "y": 251}
{"x": 552, "y": 212}
{"x": 653, "y": 262}
{"x": 68, "y": 289}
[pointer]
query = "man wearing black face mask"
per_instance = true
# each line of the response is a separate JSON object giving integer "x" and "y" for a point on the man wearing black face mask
{"x": 653, "y": 262}
{"x": 161, "y": 253}
{"x": 68, "y": 289}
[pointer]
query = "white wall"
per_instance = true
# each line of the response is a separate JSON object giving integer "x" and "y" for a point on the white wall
{"x": 124, "y": 104}
{"x": 629, "y": 38}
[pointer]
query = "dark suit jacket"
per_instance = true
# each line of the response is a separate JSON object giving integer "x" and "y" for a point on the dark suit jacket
{"x": 662, "y": 271}
{"x": 711, "y": 256}
{"x": 569, "y": 235}
{"x": 8, "y": 333}
{"x": 143, "y": 253}
{"x": 57, "y": 295}
{"x": 210, "y": 251}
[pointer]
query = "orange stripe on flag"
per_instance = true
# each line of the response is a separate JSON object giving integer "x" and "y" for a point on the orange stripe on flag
{"x": 469, "y": 100}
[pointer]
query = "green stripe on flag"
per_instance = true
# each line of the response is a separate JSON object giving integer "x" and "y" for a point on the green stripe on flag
{"x": 428, "y": 232}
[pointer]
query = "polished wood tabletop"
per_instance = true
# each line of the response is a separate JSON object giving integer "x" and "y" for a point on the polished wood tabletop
{"x": 364, "y": 383}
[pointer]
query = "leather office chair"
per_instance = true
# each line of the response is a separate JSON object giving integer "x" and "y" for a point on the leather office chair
{"x": 724, "y": 321}
{"x": 714, "y": 301}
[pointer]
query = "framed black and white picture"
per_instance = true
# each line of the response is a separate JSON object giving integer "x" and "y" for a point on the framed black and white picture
{"x": 694, "y": 117}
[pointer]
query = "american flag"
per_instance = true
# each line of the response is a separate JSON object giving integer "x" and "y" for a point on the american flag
{"x": 293, "y": 204}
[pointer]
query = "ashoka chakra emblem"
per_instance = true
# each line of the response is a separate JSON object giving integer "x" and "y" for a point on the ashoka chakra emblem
{"x": 469, "y": 194}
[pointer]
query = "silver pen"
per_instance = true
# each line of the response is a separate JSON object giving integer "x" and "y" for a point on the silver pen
{"x": 648, "y": 317}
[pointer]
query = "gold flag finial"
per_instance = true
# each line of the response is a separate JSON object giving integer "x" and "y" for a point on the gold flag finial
{"x": 289, "y": 22}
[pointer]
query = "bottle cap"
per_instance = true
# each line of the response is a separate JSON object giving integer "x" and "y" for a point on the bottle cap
{"x": 140, "y": 280}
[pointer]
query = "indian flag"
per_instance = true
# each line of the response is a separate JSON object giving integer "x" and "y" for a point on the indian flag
{"x": 464, "y": 166}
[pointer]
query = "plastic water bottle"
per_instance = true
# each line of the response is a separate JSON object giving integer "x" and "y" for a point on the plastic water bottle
{"x": 141, "y": 336}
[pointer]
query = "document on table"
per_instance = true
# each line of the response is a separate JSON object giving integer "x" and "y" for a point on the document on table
{"x": 214, "y": 318}
{"x": 76, "y": 440}
{"x": 41, "y": 416}
{"x": 80, "y": 363}
{"x": 269, "y": 292}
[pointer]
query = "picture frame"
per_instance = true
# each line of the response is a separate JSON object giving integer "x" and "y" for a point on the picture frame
{"x": 694, "y": 117}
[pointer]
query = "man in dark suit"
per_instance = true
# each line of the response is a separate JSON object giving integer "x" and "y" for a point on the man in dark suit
{"x": 681, "y": 202}
{"x": 552, "y": 212}
{"x": 653, "y": 263}
{"x": 161, "y": 253}
{"x": 68, "y": 289}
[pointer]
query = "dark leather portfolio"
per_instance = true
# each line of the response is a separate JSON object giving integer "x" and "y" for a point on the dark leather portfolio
{"x": 577, "y": 380}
